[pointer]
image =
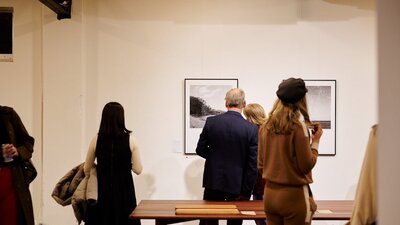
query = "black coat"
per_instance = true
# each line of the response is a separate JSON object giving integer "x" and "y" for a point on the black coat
{"x": 229, "y": 143}
{"x": 20, "y": 138}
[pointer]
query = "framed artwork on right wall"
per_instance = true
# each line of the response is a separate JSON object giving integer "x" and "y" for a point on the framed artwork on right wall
{"x": 321, "y": 100}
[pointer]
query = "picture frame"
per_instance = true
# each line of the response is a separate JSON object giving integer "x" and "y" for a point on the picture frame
{"x": 203, "y": 98}
{"x": 7, "y": 34}
{"x": 321, "y": 101}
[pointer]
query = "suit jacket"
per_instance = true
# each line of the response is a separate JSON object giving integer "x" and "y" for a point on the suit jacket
{"x": 228, "y": 142}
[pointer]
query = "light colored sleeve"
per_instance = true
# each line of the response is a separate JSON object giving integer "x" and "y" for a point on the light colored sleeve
{"x": 136, "y": 163}
{"x": 90, "y": 156}
{"x": 365, "y": 204}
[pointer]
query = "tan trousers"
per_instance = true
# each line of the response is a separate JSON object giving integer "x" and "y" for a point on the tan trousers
{"x": 288, "y": 205}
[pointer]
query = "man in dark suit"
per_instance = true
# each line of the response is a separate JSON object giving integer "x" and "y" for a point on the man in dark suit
{"x": 228, "y": 142}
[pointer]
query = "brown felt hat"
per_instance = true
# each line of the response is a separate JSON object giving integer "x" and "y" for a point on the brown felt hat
{"x": 291, "y": 90}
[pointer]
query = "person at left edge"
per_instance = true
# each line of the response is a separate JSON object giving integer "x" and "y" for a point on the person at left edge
{"x": 228, "y": 143}
{"x": 15, "y": 198}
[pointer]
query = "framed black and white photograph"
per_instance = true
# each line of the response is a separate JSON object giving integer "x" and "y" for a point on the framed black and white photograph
{"x": 321, "y": 99}
{"x": 203, "y": 98}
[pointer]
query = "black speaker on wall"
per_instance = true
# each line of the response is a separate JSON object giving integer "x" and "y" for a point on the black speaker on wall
{"x": 6, "y": 33}
{"x": 61, "y": 7}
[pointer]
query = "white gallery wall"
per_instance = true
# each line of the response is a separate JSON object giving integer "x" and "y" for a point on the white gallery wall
{"x": 139, "y": 53}
{"x": 21, "y": 80}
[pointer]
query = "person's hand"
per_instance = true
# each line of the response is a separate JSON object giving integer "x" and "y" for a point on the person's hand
{"x": 9, "y": 150}
{"x": 316, "y": 133}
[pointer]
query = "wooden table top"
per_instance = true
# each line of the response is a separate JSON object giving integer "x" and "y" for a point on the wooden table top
{"x": 165, "y": 210}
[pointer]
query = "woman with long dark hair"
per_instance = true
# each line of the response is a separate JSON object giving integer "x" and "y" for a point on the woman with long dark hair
{"x": 117, "y": 155}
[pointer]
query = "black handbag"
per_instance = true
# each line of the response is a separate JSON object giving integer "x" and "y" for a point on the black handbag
{"x": 29, "y": 171}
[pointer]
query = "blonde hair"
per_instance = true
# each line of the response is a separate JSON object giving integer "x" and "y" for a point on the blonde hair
{"x": 284, "y": 116}
{"x": 235, "y": 98}
{"x": 255, "y": 114}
